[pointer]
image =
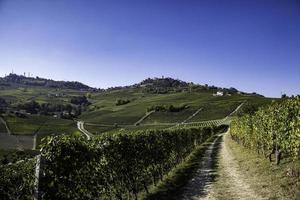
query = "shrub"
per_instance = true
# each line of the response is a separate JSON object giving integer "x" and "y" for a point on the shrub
{"x": 167, "y": 108}
{"x": 122, "y": 102}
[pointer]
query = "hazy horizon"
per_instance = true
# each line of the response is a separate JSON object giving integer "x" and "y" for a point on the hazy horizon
{"x": 253, "y": 46}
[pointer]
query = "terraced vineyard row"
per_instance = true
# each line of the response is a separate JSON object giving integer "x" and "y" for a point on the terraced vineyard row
{"x": 209, "y": 123}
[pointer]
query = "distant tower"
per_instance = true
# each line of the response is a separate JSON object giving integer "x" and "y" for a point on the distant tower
{"x": 24, "y": 74}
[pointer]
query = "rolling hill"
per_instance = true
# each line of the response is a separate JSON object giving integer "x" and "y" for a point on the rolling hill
{"x": 37, "y": 107}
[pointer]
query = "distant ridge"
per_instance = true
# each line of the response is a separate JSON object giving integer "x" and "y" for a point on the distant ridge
{"x": 14, "y": 79}
{"x": 150, "y": 85}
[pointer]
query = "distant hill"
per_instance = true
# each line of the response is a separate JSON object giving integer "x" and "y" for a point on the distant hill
{"x": 169, "y": 85}
{"x": 150, "y": 85}
{"x": 14, "y": 79}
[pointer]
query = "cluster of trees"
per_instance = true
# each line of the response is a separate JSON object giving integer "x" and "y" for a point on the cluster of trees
{"x": 114, "y": 166}
{"x": 80, "y": 100}
{"x": 274, "y": 129}
{"x": 166, "y": 85}
{"x": 167, "y": 108}
{"x": 163, "y": 85}
{"x": 164, "y": 82}
{"x": 122, "y": 102}
{"x": 67, "y": 111}
{"x": 31, "y": 107}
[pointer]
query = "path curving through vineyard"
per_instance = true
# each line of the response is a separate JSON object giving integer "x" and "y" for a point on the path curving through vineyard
{"x": 225, "y": 180}
{"x": 199, "y": 185}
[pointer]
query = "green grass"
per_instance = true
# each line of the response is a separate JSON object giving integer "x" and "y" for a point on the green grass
{"x": 169, "y": 117}
{"x": 38, "y": 124}
{"x": 269, "y": 179}
{"x": 24, "y": 126}
{"x": 42, "y": 126}
{"x": 99, "y": 129}
{"x": 104, "y": 110}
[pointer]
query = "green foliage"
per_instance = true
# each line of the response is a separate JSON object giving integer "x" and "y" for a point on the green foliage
{"x": 163, "y": 85}
{"x": 167, "y": 108}
{"x": 31, "y": 107}
{"x": 171, "y": 187}
{"x": 17, "y": 180}
{"x": 248, "y": 108}
{"x": 80, "y": 100}
{"x": 66, "y": 111}
{"x": 113, "y": 165}
{"x": 122, "y": 102}
{"x": 275, "y": 127}
{"x": 12, "y": 156}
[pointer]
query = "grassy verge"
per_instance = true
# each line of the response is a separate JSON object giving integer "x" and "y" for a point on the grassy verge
{"x": 171, "y": 187}
{"x": 270, "y": 180}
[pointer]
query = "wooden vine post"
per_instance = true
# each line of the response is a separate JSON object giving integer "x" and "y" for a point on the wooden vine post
{"x": 38, "y": 173}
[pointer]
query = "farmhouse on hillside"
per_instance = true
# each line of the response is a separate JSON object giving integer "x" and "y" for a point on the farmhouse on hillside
{"x": 219, "y": 94}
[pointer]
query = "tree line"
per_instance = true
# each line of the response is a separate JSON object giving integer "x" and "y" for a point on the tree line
{"x": 67, "y": 111}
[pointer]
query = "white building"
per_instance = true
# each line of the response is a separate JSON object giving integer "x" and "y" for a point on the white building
{"x": 219, "y": 94}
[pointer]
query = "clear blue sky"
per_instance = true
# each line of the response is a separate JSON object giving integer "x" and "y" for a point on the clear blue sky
{"x": 251, "y": 45}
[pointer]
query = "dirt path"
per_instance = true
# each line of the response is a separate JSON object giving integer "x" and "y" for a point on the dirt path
{"x": 233, "y": 179}
{"x": 199, "y": 185}
{"x": 80, "y": 126}
{"x": 225, "y": 182}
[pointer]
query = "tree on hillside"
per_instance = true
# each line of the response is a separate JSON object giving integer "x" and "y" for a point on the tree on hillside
{"x": 31, "y": 107}
{"x": 80, "y": 100}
